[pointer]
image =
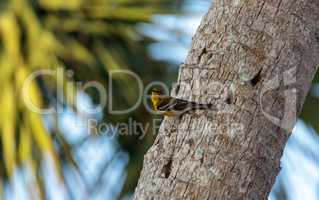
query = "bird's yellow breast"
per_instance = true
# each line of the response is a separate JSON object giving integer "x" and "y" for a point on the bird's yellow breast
{"x": 157, "y": 101}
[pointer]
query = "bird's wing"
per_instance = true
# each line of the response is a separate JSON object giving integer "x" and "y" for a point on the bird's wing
{"x": 173, "y": 104}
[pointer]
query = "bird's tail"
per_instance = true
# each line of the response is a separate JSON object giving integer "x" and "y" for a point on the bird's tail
{"x": 208, "y": 106}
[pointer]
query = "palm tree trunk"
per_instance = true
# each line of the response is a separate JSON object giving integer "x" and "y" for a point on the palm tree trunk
{"x": 255, "y": 60}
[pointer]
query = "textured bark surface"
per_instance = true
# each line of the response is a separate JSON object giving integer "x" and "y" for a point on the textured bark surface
{"x": 255, "y": 60}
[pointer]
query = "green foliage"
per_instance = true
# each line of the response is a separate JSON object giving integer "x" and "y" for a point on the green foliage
{"x": 310, "y": 108}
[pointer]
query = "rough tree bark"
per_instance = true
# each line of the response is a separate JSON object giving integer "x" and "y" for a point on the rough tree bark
{"x": 255, "y": 60}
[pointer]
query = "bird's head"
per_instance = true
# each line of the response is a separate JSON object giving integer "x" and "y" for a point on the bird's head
{"x": 156, "y": 91}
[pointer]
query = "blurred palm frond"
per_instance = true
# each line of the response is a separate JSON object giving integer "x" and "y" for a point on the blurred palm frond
{"x": 88, "y": 37}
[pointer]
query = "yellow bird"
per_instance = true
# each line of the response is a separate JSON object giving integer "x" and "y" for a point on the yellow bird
{"x": 170, "y": 106}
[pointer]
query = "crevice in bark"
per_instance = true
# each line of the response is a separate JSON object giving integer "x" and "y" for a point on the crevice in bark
{"x": 317, "y": 36}
{"x": 167, "y": 168}
{"x": 256, "y": 78}
{"x": 228, "y": 99}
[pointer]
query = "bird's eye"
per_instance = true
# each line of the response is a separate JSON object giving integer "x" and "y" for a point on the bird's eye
{"x": 156, "y": 90}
